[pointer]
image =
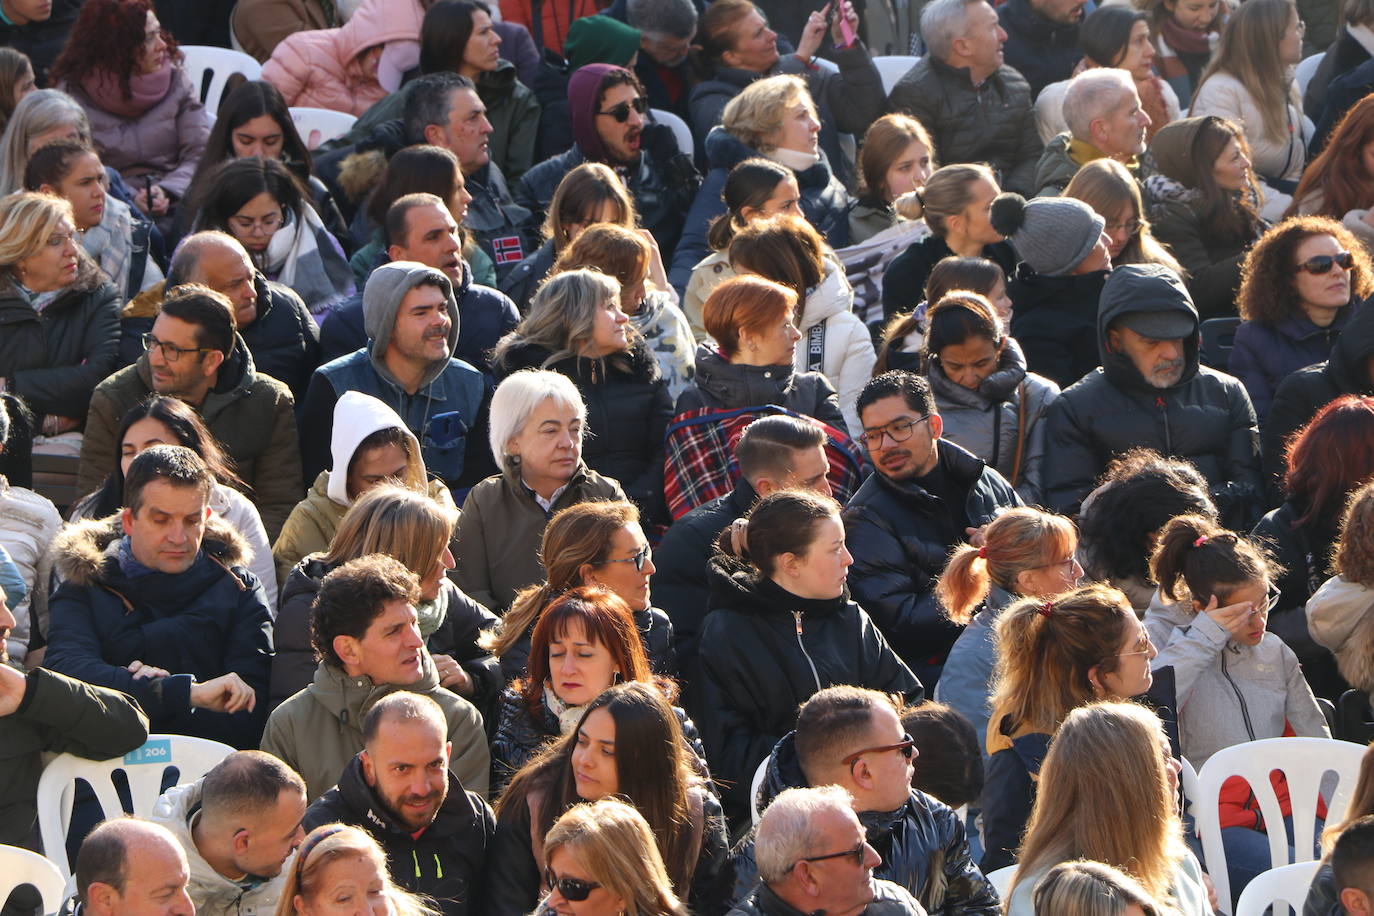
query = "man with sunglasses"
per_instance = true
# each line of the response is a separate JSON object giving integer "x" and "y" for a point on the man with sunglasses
{"x": 928, "y": 494}
{"x": 852, "y": 737}
{"x": 610, "y": 125}
{"x": 1152, "y": 392}
{"x": 814, "y": 857}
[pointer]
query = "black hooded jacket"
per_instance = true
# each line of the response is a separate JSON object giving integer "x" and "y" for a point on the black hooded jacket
{"x": 1206, "y": 417}
{"x": 447, "y": 862}
{"x": 1054, "y": 319}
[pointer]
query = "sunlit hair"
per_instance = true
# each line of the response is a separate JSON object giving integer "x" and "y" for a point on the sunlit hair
{"x": 1361, "y": 802}
{"x": 758, "y": 113}
{"x": 616, "y": 251}
{"x": 1338, "y": 177}
{"x": 1353, "y": 556}
{"x": 748, "y": 186}
{"x": 30, "y": 219}
{"x": 1106, "y": 186}
{"x": 247, "y": 101}
{"x": 331, "y": 843}
{"x": 107, "y": 40}
{"x": 1104, "y": 794}
{"x": 1225, "y": 213}
{"x": 948, "y": 193}
{"x": 716, "y": 33}
{"x": 748, "y": 303}
{"x": 1329, "y": 457}
{"x": 516, "y": 399}
{"x": 396, "y": 521}
{"x": 1017, "y": 540}
{"x": 780, "y": 523}
{"x": 785, "y": 249}
{"x": 787, "y": 831}
{"x": 1268, "y": 276}
{"x": 579, "y": 198}
{"x": 40, "y": 112}
{"x": 1082, "y": 888}
{"x": 562, "y": 316}
{"x": 613, "y": 842}
{"x": 1195, "y": 558}
{"x": 884, "y": 143}
{"x": 1249, "y": 51}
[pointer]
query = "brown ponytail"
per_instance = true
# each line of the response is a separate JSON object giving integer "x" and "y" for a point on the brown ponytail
{"x": 1017, "y": 540}
{"x": 1195, "y": 558}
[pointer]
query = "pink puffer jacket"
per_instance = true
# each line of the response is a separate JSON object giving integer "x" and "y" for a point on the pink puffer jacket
{"x": 323, "y": 68}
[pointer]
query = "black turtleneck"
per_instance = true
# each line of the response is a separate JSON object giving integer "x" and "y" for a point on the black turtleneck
{"x": 952, "y": 496}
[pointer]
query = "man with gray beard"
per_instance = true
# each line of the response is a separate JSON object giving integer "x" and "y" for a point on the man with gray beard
{"x": 1151, "y": 391}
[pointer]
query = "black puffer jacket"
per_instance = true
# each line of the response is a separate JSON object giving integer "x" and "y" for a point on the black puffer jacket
{"x": 1055, "y": 321}
{"x": 655, "y": 630}
{"x": 628, "y": 409}
{"x": 1206, "y": 417}
{"x": 1041, "y": 50}
{"x": 447, "y": 862}
{"x": 53, "y": 359}
{"x": 770, "y": 652}
{"x": 904, "y": 283}
{"x": 922, "y": 843}
{"x": 526, "y": 276}
{"x": 724, "y": 385}
{"x": 41, "y": 42}
{"x": 497, "y": 221}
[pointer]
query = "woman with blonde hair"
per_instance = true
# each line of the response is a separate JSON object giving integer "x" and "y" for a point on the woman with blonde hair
{"x": 1053, "y": 655}
{"x": 1107, "y": 187}
{"x": 602, "y": 856}
{"x": 334, "y": 856}
{"x": 1027, "y": 553}
{"x": 896, "y": 157}
{"x": 1109, "y": 789}
{"x": 1083, "y": 888}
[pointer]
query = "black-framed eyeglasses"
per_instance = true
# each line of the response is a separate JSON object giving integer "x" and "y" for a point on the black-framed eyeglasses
{"x": 858, "y": 854}
{"x": 621, "y": 112}
{"x": 641, "y": 557}
{"x": 907, "y": 747}
{"x": 170, "y": 352}
{"x": 571, "y": 888}
{"x": 897, "y": 431}
{"x": 1323, "y": 263}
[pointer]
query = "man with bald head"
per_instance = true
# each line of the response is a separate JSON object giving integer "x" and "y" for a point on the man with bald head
{"x": 132, "y": 867}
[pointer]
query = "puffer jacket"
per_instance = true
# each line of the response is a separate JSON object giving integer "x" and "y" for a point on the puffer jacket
{"x": 1013, "y": 771}
{"x": 53, "y": 359}
{"x": 524, "y": 278}
{"x": 966, "y": 683}
{"x": 1206, "y": 417}
{"x": 904, "y": 284}
{"x": 922, "y": 844}
{"x": 1339, "y": 619}
{"x": 165, "y": 142}
{"x": 824, "y": 202}
{"x": 770, "y": 652}
{"x": 628, "y": 410}
{"x": 1265, "y": 354}
{"x": 992, "y": 122}
{"x": 1054, "y": 319}
{"x": 724, "y": 385}
{"x": 200, "y": 624}
{"x": 845, "y": 354}
{"x": 987, "y": 422}
{"x": 1229, "y": 694}
{"x": 214, "y": 894}
{"x": 1041, "y": 50}
{"x": 888, "y": 900}
{"x": 323, "y": 68}
{"x": 503, "y": 229}
{"x": 655, "y": 632}
{"x": 900, "y": 536}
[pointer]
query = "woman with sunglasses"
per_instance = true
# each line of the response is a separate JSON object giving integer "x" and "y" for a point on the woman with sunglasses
{"x": 626, "y": 744}
{"x": 1053, "y": 655}
{"x": 600, "y": 859}
{"x": 1299, "y": 286}
{"x": 1234, "y": 680}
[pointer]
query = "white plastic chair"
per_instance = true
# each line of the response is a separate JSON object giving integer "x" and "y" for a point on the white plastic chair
{"x": 755, "y": 785}
{"x": 1288, "y": 883}
{"x": 144, "y": 768}
{"x": 1187, "y": 781}
{"x": 681, "y": 132}
{"x": 1307, "y": 68}
{"x": 317, "y": 125}
{"x": 220, "y": 63}
{"x": 19, "y": 867}
{"x": 892, "y": 68}
{"x": 1001, "y": 880}
{"x": 1305, "y": 762}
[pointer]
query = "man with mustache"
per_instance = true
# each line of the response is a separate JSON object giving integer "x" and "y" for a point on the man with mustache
{"x": 928, "y": 494}
{"x": 1151, "y": 392}
{"x": 399, "y": 789}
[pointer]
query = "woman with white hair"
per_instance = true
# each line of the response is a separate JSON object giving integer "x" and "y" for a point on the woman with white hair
{"x": 538, "y": 420}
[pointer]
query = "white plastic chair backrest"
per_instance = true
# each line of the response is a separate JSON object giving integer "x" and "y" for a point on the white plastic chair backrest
{"x": 755, "y": 785}
{"x": 681, "y": 132}
{"x": 1304, "y": 761}
{"x": 222, "y": 63}
{"x": 892, "y": 68}
{"x": 316, "y": 125}
{"x": 1187, "y": 780}
{"x": 1001, "y": 880}
{"x": 1306, "y": 69}
{"x": 1288, "y": 883}
{"x": 19, "y": 866}
{"x": 144, "y": 768}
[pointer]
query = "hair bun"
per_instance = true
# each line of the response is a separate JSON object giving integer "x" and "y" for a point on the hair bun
{"x": 1008, "y": 213}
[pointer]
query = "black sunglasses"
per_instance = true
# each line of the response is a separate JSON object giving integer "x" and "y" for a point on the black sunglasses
{"x": 858, "y": 854}
{"x": 1323, "y": 263}
{"x": 639, "y": 559}
{"x": 621, "y": 112}
{"x": 571, "y": 888}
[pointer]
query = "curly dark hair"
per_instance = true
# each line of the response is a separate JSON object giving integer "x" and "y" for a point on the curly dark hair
{"x": 1267, "y": 291}
{"x": 107, "y": 36}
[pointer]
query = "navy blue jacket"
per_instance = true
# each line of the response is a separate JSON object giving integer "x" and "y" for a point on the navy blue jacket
{"x": 1042, "y": 51}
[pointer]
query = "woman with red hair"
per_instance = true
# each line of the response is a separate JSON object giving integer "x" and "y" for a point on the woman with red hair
{"x": 1339, "y": 183}
{"x": 1326, "y": 462}
{"x": 146, "y": 117}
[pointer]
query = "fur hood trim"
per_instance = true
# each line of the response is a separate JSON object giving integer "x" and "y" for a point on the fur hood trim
{"x": 79, "y": 551}
{"x": 359, "y": 173}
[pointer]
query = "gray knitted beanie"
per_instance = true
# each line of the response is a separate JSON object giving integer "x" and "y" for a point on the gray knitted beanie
{"x": 1051, "y": 234}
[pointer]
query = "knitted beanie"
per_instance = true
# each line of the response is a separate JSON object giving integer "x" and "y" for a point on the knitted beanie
{"x": 1051, "y": 234}
{"x": 600, "y": 40}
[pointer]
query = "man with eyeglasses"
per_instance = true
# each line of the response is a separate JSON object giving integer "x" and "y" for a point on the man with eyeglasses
{"x": 852, "y": 737}
{"x": 814, "y": 857}
{"x": 193, "y": 353}
{"x": 1102, "y": 111}
{"x": 928, "y": 495}
{"x": 610, "y": 125}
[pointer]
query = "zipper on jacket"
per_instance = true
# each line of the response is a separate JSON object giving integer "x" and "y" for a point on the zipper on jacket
{"x": 1164, "y": 415}
{"x": 1249, "y": 730}
{"x": 797, "y": 615}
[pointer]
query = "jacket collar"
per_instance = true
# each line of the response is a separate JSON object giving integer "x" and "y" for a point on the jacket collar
{"x": 348, "y": 699}
{"x": 84, "y": 551}
{"x": 996, "y": 388}
{"x": 455, "y": 816}
{"x": 1300, "y": 328}
{"x": 963, "y": 468}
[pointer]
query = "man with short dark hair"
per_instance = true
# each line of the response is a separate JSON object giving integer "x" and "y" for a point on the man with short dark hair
{"x": 365, "y": 631}
{"x": 131, "y": 867}
{"x": 666, "y": 29}
{"x": 156, "y": 602}
{"x": 1352, "y": 870}
{"x": 435, "y": 833}
{"x": 195, "y": 355}
{"x": 853, "y": 738}
{"x": 927, "y": 495}
{"x": 239, "y": 825}
{"x": 1042, "y": 39}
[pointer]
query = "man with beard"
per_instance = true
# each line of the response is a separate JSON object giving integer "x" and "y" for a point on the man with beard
{"x": 1105, "y": 119}
{"x": 928, "y": 494}
{"x": 1151, "y": 392}
{"x": 609, "y": 111}
{"x": 239, "y": 825}
{"x": 399, "y": 789}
